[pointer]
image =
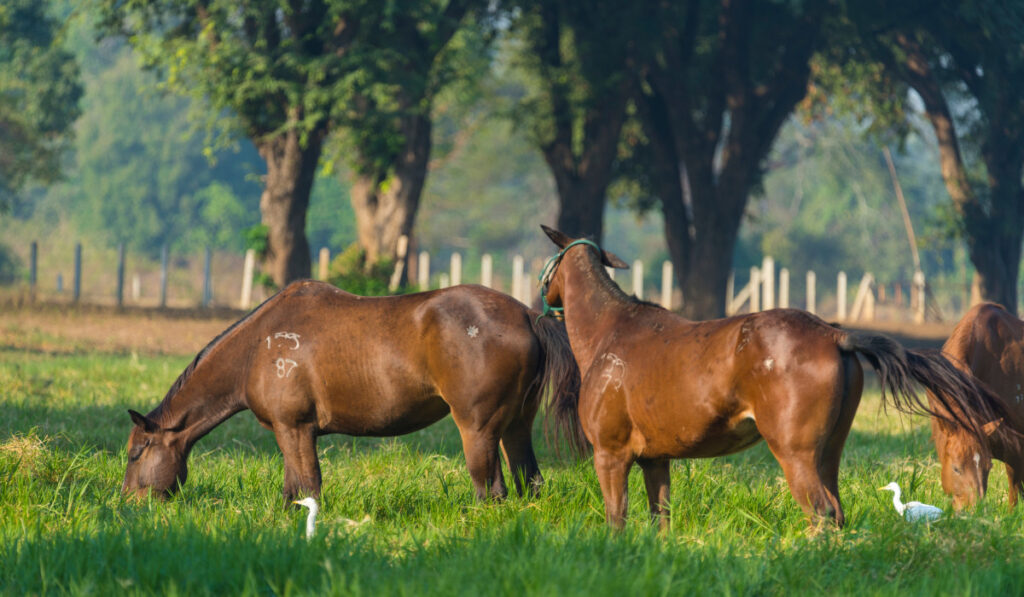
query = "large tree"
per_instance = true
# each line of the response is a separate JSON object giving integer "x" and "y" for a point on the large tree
{"x": 39, "y": 93}
{"x": 578, "y": 56}
{"x": 390, "y": 130}
{"x": 966, "y": 63}
{"x": 285, "y": 72}
{"x": 720, "y": 79}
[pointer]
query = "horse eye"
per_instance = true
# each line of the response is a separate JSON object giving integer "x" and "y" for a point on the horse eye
{"x": 135, "y": 453}
{"x": 957, "y": 470}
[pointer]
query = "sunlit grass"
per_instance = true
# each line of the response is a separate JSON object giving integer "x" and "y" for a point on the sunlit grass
{"x": 735, "y": 528}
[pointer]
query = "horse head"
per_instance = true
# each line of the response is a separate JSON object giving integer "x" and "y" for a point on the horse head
{"x": 966, "y": 462}
{"x": 551, "y": 281}
{"x": 157, "y": 460}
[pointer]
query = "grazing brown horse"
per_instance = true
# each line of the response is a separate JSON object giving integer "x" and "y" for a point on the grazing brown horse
{"x": 656, "y": 386}
{"x": 988, "y": 343}
{"x": 314, "y": 360}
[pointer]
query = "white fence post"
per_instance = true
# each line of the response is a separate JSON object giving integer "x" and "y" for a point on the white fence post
{"x": 638, "y": 279}
{"x": 666, "y": 284}
{"x": 841, "y": 296}
{"x": 784, "y": 288}
{"x": 486, "y": 270}
{"x": 136, "y": 287}
{"x": 456, "y": 268}
{"x": 423, "y": 271}
{"x": 400, "y": 252}
{"x": 812, "y": 280}
{"x": 443, "y": 281}
{"x": 768, "y": 283}
{"x": 730, "y": 288}
{"x": 755, "y": 290}
{"x": 517, "y": 278}
{"x": 325, "y": 259}
{"x": 863, "y": 291}
{"x": 919, "y": 286}
{"x": 611, "y": 272}
{"x": 247, "y": 271}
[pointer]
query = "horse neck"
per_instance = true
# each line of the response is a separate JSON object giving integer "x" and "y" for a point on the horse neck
{"x": 592, "y": 302}
{"x": 206, "y": 396}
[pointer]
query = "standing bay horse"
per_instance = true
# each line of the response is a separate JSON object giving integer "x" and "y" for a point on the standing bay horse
{"x": 988, "y": 343}
{"x": 314, "y": 360}
{"x": 656, "y": 386}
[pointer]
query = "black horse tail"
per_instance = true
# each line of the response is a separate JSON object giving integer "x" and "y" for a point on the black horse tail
{"x": 560, "y": 384}
{"x": 963, "y": 401}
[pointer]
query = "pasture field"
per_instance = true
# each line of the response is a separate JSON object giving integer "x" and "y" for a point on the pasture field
{"x": 398, "y": 517}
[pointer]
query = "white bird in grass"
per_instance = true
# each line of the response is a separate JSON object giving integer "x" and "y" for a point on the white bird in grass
{"x": 311, "y": 519}
{"x": 911, "y": 511}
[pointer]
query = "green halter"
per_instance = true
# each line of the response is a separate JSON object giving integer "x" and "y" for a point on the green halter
{"x": 549, "y": 269}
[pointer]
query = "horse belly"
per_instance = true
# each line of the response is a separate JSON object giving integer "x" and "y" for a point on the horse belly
{"x": 385, "y": 418}
{"x": 700, "y": 439}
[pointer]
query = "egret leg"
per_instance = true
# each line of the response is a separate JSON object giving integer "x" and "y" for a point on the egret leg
{"x": 657, "y": 480}
{"x": 301, "y": 466}
{"x": 613, "y": 474}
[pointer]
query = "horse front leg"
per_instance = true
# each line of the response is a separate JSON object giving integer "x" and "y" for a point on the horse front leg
{"x": 301, "y": 465}
{"x": 1015, "y": 476}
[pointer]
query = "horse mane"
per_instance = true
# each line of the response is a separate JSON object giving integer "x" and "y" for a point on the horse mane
{"x": 190, "y": 369}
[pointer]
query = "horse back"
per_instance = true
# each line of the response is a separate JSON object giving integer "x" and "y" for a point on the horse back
{"x": 989, "y": 344}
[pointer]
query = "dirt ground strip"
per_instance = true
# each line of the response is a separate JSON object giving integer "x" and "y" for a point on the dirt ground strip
{"x": 63, "y": 328}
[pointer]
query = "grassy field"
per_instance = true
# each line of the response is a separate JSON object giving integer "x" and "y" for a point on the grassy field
{"x": 735, "y": 528}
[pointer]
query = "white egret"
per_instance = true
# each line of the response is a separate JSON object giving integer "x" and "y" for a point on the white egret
{"x": 311, "y": 519}
{"x": 911, "y": 511}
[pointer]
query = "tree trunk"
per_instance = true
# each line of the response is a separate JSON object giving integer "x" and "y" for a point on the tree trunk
{"x": 289, "y": 182}
{"x": 386, "y": 205}
{"x": 995, "y": 239}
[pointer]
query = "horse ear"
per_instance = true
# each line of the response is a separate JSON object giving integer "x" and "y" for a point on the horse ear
{"x": 147, "y": 424}
{"x": 990, "y": 427}
{"x": 612, "y": 260}
{"x": 559, "y": 238}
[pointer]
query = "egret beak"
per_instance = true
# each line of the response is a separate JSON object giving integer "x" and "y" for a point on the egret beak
{"x": 881, "y": 489}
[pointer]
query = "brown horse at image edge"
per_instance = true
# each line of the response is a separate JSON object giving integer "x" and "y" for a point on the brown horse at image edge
{"x": 656, "y": 386}
{"x": 314, "y": 360}
{"x": 989, "y": 344}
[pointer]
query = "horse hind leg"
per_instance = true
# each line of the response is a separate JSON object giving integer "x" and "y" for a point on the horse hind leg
{"x": 481, "y": 450}
{"x": 517, "y": 444}
{"x": 301, "y": 465}
{"x": 613, "y": 474}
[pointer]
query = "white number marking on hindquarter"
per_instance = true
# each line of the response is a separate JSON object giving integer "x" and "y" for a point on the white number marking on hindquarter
{"x": 613, "y": 371}
{"x": 285, "y": 367}
{"x": 289, "y": 336}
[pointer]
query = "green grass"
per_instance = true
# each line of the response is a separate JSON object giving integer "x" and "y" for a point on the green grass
{"x": 735, "y": 528}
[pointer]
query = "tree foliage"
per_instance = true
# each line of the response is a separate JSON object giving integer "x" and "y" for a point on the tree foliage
{"x": 39, "y": 93}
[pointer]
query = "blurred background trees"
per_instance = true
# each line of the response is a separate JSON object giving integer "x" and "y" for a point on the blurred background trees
{"x": 708, "y": 132}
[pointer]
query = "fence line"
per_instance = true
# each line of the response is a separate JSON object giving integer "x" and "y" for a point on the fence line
{"x": 765, "y": 288}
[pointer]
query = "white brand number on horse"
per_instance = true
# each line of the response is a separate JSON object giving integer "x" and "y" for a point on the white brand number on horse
{"x": 285, "y": 366}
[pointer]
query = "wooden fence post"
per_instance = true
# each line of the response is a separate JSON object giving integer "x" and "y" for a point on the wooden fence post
{"x": 730, "y": 291}
{"x": 768, "y": 283}
{"x": 487, "y": 271}
{"x": 456, "y": 268}
{"x": 120, "y": 275}
{"x": 784, "y": 288}
{"x": 861, "y": 299}
{"x": 638, "y": 279}
{"x": 136, "y": 287}
{"x": 517, "y": 278}
{"x": 423, "y": 271}
{"x": 401, "y": 251}
{"x": 207, "y": 278}
{"x": 163, "y": 276}
{"x": 666, "y": 284}
{"x": 245, "y": 302}
{"x": 33, "y": 269}
{"x": 324, "y": 264}
{"x": 841, "y": 296}
{"x": 443, "y": 281}
{"x": 77, "y": 293}
{"x": 919, "y": 287}
{"x": 755, "y": 290}
{"x": 812, "y": 280}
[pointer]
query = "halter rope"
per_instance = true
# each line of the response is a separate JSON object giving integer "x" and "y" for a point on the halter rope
{"x": 549, "y": 270}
